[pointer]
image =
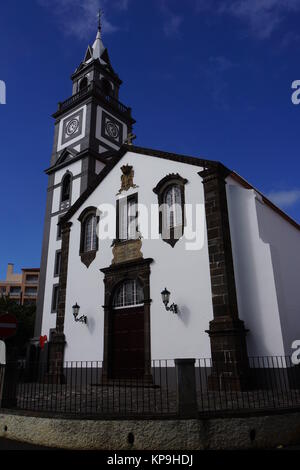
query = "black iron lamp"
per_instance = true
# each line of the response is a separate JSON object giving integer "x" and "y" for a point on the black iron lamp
{"x": 165, "y": 295}
{"x": 76, "y": 309}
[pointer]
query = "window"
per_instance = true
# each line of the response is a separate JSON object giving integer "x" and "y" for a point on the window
{"x": 90, "y": 235}
{"x": 31, "y": 291}
{"x": 128, "y": 294}
{"x": 66, "y": 188}
{"x": 54, "y": 304}
{"x": 32, "y": 279}
{"x": 106, "y": 86}
{"x": 89, "y": 238}
{"x": 171, "y": 200}
{"x": 83, "y": 84}
{"x": 127, "y": 218}
{"x": 15, "y": 290}
{"x": 173, "y": 207}
{"x": 57, "y": 263}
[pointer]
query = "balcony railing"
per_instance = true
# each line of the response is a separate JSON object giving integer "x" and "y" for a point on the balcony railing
{"x": 30, "y": 293}
{"x": 93, "y": 88}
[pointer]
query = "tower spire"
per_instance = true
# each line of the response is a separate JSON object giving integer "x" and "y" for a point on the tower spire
{"x": 100, "y": 13}
{"x": 98, "y": 47}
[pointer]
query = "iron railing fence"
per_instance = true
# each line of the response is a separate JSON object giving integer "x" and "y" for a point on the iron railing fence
{"x": 83, "y": 388}
{"x": 257, "y": 383}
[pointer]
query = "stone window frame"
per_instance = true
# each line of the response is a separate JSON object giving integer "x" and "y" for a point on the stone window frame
{"x": 66, "y": 204}
{"x": 160, "y": 189}
{"x": 87, "y": 257}
{"x": 114, "y": 275}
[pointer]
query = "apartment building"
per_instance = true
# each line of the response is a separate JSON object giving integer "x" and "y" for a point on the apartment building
{"x": 21, "y": 287}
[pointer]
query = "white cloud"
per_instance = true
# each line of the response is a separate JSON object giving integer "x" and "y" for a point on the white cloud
{"x": 262, "y": 17}
{"x": 172, "y": 25}
{"x": 285, "y": 198}
{"x": 121, "y": 4}
{"x": 79, "y": 18}
{"x": 172, "y": 21}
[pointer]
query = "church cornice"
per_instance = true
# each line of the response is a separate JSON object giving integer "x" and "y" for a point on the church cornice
{"x": 75, "y": 157}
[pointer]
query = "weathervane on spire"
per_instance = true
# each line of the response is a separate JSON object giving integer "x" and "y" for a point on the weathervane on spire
{"x": 100, "y": 13}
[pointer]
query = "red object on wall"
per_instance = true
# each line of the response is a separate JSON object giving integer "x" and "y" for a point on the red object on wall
{"x": 8, "y": 325}
{"x": 43, "y": 340}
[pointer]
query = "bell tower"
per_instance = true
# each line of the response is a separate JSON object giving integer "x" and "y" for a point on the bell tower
{"x": 89, "y": 126}
{"x": 92, "y": 119}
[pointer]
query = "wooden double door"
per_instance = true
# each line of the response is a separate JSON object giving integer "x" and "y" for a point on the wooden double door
{"x": 127, "y": 343}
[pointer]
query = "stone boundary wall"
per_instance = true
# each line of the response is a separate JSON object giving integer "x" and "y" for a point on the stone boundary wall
{"x": 156, "y": 434}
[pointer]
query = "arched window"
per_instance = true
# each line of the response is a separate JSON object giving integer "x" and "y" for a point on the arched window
{"x": 171, "y": 199}
{"x": 173, "y": 206}
{"x": 89, "y": 238}
{"x": 129, "y": 294}
{"x": 90, "y": 233}
{"x": 66, "y": 190}
{"x": 106, "y": 86}
{"x": 83, "y": 84}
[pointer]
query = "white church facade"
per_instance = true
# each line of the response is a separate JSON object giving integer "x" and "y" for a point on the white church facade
{"x": 125, "y": 224}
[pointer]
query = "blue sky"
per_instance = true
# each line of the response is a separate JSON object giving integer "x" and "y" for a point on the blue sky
{"x": 204, "y": 77}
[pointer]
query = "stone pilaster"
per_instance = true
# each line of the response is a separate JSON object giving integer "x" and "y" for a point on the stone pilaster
{"x": 227, "y": 332}
{"x": 57, "y": 342}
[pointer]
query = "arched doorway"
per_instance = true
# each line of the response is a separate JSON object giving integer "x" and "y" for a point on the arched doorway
{"x": 127, "y": 334}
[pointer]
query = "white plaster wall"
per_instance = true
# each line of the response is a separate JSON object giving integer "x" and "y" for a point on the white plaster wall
{"x": 99, "y": 166}
{"x": 75, "y": 168}
{"x": 184, "y": 273}
{"x": 284, "y": 241}
{"x": 49, "y": 319}
{"x": 266, "y": 252}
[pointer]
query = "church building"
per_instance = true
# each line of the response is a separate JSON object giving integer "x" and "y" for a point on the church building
{"x": 149, "y": 254}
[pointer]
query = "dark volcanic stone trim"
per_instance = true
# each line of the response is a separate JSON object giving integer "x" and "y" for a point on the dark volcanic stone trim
{"x": 60, "y": 318}
{"x": 87, "y": 257}
{"x": 219, "y": 243}
{"x": 227, "y": 332}
{"x": 175, "y": 233}
{"x": 113, "y": 276}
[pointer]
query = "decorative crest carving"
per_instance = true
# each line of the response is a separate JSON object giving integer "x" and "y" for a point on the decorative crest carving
{"x": 127, "y": 178}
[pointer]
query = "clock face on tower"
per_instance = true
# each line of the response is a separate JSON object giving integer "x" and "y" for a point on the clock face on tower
{"x": 72, "y": 127}
{"x": 112, "y": 129}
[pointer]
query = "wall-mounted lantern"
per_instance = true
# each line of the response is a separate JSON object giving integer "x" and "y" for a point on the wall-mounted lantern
{"x": 165, "y": 295}
{"x": 76, "y": 309}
